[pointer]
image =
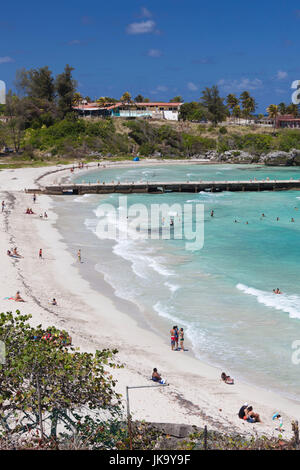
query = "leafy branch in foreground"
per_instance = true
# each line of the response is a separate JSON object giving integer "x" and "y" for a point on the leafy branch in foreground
{"x": 45, "y": 381}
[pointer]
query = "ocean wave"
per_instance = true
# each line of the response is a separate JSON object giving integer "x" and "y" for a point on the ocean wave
{"x": 173, "y": 287}
{"x": 83, "y": 198}
{"x": 286, "y": 303}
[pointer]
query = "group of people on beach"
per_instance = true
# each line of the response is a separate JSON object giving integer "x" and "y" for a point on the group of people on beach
{"x": 14, "y": 253}
{"x": 177, "y": 336}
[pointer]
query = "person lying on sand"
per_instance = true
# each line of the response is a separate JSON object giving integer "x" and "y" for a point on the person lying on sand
{"x": 18, "y": 298}
{"x": 15, "y": 253}
{"x": 156, "y": 377}
{"x": 227, "y": 379}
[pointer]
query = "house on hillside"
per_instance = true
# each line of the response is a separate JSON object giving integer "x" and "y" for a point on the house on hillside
{"x": 287, "y": 120}
{"x": 157, "y": 110}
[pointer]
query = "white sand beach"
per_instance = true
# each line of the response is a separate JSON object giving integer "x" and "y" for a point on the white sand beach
{"x": 195, "y": 394}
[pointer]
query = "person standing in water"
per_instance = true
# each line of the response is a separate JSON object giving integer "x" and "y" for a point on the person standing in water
{"x": 212, "y": 213}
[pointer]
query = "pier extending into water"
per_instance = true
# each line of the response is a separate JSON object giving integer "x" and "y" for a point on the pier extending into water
{"x": 154, "y": 187}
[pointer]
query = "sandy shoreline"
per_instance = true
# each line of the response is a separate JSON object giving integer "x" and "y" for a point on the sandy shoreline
{"x": 195, "y": 395}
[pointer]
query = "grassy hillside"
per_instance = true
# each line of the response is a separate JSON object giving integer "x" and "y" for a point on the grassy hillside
{"x": 71, "y": 139}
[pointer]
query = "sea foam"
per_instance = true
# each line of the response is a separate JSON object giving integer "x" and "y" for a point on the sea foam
{"x": 284, "y": 302}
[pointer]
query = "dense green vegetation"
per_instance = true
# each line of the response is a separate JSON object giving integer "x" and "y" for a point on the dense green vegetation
{"x": 41, "y": 125}
{"x": 72, "y": 138}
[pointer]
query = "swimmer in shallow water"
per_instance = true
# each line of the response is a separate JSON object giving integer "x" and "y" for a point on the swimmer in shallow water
{"x": 277, "y": 291}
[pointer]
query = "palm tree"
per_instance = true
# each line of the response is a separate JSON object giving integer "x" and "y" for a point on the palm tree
{"x": 77, "y": 99}
{"x": 248, "y": 103}
{"x": 282, "y": 108}
{"x": 232, "y": 101}
{"x": 292, "y": 109}
{"x": 126, "y": 97}
{"x": 236, "y": 112}
{"x": 273, "y": 111}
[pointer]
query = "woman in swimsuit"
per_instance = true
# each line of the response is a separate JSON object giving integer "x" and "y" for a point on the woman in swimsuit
{"x": 181, "y": 339}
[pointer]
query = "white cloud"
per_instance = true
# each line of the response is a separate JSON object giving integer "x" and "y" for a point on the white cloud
{"x": 159, "y": 89}
{"x": 141, "y": 28}
{"x": 281, "y": 75}
{"x": 192, "y": 87}
{"x": 6, "y": 60}
{"x": 239, "y": 85}
{"x": 154, "y": 53}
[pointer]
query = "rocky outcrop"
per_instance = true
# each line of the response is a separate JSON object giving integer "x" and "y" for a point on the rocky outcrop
{"x": 277, "y": 158}
{"x": 274, "y": 158}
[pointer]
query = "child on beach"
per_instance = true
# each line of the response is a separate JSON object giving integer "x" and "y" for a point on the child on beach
{"x": 277, "y": 417}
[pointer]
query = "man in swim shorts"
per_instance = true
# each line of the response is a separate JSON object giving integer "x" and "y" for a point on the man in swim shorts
{"x": 173, "y": 336}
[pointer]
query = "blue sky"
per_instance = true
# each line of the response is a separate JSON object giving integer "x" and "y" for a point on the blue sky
{"x": 159, "y": 48}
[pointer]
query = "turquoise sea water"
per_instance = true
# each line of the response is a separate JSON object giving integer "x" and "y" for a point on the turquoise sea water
{"x": 222, "y": 294}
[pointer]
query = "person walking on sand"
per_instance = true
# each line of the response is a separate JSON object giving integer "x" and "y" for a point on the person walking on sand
{"x": 34, "y": 198}
{"x": 79, "y": 256}
{"x": 41, "y": 253}
{"x": 181, "y": 339}
{"x": 3, "y": 206}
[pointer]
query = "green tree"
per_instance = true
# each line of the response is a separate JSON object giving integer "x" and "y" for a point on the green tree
{"x": 77, "y": 99}
{"x": 192, "y": 111}
{"x": 236, "y": 112}
{"x": 126, "y": 97}
{"x": 177, "y": 99}
{"x": 273, "y": 111}
{"x": 36, "y": 83}
{"x": 17, "y": 119}
{"x": 248, "y": 104}
{"x": 282, "y": 108}
{"x": 139, "y": 99}
{"x": 232, "y": 101}
{"x": 292, "y": 109}
{"x": 65, "y": 86}
{"x": 44, "y": 379}
{"x": 214, "y": 105}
